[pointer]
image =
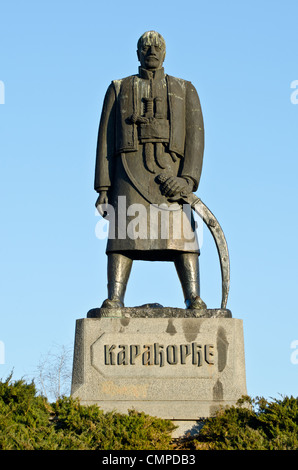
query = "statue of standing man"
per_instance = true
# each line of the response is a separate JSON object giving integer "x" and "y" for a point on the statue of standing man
{"x": 149, "y": 151}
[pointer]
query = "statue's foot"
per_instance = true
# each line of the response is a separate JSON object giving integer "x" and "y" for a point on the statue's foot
{"x": 108, "y": 303}
{"x": 195, "y": 302}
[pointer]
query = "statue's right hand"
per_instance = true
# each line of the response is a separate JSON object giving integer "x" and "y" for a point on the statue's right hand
{"x": 101, "y": 203}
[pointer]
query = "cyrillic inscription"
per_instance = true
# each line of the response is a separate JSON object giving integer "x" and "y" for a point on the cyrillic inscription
{"x": 159, "y": 354}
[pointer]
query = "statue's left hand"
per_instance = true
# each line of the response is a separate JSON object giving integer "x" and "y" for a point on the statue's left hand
{"x": 175, "y": 185}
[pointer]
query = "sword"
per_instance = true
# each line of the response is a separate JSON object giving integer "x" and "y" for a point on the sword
{"x": 216, "y": 231}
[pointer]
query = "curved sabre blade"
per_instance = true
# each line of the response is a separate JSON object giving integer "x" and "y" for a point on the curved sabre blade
{"x": 216, "y": 231}
{"x": 213, "y": 225}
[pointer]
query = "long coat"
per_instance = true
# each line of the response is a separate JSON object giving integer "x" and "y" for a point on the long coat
{"x": 137, "y": 142}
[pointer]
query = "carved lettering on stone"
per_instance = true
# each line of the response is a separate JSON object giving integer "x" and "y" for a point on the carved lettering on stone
{"x": 158, "y": 354}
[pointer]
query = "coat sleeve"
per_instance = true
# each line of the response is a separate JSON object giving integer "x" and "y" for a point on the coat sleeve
{"x": 105, "y": 151}
{"x": 194, "y": 137}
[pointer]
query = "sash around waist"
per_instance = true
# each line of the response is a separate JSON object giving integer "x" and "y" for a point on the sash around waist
{"x": 154, "y": 130}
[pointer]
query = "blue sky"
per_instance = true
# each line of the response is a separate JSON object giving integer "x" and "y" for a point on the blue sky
{"x": 57, "y": 59}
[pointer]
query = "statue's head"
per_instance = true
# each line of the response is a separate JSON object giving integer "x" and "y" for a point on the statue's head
{"x": 151, "y": 50}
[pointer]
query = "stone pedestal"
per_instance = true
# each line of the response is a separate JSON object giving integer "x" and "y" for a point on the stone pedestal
{"x": 171, "y": 363}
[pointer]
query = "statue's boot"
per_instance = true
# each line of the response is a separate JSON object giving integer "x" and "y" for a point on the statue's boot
{"x": 119, "y": 268}
{"x": 193, "y": 300}
{"x": 187, "y": 266}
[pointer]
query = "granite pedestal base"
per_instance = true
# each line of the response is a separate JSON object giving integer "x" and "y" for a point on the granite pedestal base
{"x": 170, "y": 366}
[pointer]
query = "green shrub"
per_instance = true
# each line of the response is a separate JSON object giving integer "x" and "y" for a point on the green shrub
{"x": 29, "y": 422}
{"x": 252, "y": 425}
{"x": 97, "y": 430}
{"x": 23, "y": 415}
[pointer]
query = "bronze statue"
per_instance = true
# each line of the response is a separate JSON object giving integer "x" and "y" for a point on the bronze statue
{"x": 150, "y": 152}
